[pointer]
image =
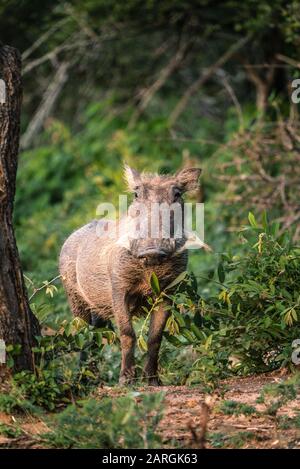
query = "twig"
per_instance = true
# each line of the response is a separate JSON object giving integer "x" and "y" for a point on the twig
{"x": 36, "y": 290}
{"x": 82, "y": 23}
{"x": 199, "y": 438}
{"x": 43, "y": 38}
{"x": 50, "y": 97}
{"x": 288, "y": 60}
{"x": 160, "y": 81}
{"x": 235, "y": 101}
{"x": 258, "y": 429}
{"x": 203, "y": 78}
{"x": 52, "y": 55}
{"x": 262, "y": 85}
{"x": 212, "y": 280}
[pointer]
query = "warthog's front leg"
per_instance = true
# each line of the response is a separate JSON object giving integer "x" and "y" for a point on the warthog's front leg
{"x": 127, "y": 339}
{"x": 157, "y": 324}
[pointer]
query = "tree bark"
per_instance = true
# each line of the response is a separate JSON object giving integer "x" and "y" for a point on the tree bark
{"x": 18, "y": 325}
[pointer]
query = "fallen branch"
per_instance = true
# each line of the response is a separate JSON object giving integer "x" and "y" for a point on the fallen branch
{"x": 49, "y": 99}
{"x": 262, "y": 85}
{"x": 44, "y": 38}
{"x": 288, "y": 60}
{"x": 203, "y": 78}
{"x": 164, "y": 74}
{"x": 52, "y": 55}
{"x": 234, "y": 98}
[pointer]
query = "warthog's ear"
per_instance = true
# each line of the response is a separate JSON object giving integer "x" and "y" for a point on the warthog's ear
{"x": 132, "y": 177}
{"x": 188, "y": 178}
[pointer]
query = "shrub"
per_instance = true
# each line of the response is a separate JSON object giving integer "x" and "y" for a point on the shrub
{"x": 276, "y": 395}
{"x": 125, "y": 422}
{"x": 249, "y": 324}
{"x": 58, "y": 375}
{"x": 15, "y": 402}
{"x": 236, "y": 408}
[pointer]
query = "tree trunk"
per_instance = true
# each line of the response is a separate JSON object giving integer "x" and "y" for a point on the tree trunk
{"x": 18, "y": 325}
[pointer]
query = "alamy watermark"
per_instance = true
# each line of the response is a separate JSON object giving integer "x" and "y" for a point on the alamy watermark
{"x": 296, "y": 93}
{"x": 152, "y": 220}
{"x": 2, "y": 352}
{"x": 2, "y": 92}
{"x": 296, "y": 352}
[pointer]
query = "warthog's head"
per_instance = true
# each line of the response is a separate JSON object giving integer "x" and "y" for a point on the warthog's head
{"x": 156, "y": 216}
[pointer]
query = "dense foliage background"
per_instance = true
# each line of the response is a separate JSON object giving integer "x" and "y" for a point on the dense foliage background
{"x": 161, "y": 84}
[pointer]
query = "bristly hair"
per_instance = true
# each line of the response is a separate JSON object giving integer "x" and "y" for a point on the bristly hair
{"x": 187, "y": 178}
{"x": 133, "y": 178}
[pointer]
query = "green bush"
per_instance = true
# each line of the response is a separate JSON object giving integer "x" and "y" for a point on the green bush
{"x": 249, "y": 323}
{"x": 58, "y": 375}
{"x": 236, "y": 408}
{"x": 15, "y": 402}
{"x": 125, "y": 422}
{"x": 276, "y": 395}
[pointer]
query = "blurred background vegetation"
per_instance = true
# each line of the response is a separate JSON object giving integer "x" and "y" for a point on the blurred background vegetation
{"x": 158, "y": 84}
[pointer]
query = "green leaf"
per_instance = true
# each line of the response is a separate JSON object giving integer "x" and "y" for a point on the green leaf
{"x": 79, "y": 340}
{"x": 179, "y": 319}
{"x": 89, "y": 374}
{"x": 188, "y": 335}
{"x": 172, "y": 325}
{"x": 252, "y": 220}
{"x": 173, "y": 340}
{"x": 142, "y": 344}
{"x": 265, "y": 221}
{"x": 221, "y": 273}
{"x": 78, "y": 323}
{"x": 196, "y": 331}
{"x": 177, "y": 280}
{"x": 275, "y": 228}
{"x": 98, "y": 338}
{"x": 110, "y": 336}
{"x": 154, "y": 282}
{"x": 208, "y": 342}
{"x": 68, "y": 329}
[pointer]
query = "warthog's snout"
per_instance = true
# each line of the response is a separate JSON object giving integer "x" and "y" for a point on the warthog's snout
{"x": 153, "y": 253}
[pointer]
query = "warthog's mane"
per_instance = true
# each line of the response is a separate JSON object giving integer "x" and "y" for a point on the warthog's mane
{"x": 156, "y": 180}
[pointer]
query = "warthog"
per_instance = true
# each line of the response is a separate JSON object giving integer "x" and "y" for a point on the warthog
{"x": 106, "y": 276}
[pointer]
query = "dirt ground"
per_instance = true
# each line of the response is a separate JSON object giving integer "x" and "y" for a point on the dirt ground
{"x": 196, "y": 420}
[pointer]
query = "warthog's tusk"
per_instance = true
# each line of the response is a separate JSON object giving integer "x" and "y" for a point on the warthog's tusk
{"x": 194, "y": 242}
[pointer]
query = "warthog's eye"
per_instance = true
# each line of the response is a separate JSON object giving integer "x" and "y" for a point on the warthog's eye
{"x": 136, "y": 192}
{"x": 177, "y": 193}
